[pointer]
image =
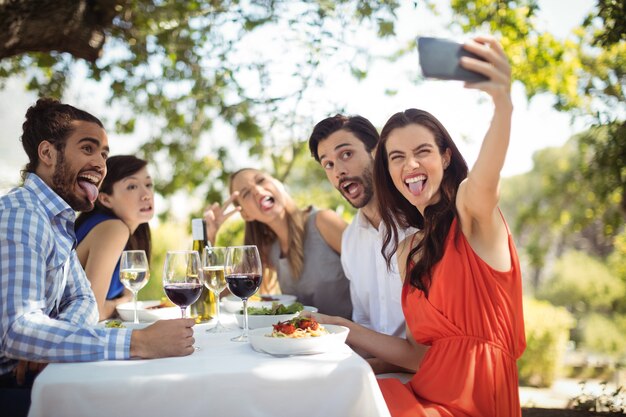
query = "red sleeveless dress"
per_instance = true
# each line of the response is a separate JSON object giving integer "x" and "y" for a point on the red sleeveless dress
{"x": 473, "y": 322}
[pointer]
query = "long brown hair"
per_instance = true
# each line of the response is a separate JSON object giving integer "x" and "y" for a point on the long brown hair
{"x": 118, "y": 168}
{"x": 396, "y": 211}
{"x": 259, "y": 234}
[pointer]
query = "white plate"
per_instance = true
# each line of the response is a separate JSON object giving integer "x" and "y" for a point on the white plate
{"x": 234, "y": 304}
{"x": 305, "y": 346}
{"x": 145, "y": 313}
{"x": 256, "y": 321}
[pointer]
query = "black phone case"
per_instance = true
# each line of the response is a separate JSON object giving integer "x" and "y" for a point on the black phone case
{"x": 439, "y": 58}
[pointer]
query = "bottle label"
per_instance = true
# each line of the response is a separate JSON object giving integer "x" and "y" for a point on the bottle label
{"x": 197, "y": 229}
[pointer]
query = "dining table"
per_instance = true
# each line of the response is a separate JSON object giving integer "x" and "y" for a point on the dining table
{"x": 221, "y": 378}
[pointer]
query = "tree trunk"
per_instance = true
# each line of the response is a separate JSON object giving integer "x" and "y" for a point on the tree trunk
{"x": 74, "y": 26}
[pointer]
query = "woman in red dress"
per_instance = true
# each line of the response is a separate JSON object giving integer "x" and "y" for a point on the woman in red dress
{"x": 462, "y": 294}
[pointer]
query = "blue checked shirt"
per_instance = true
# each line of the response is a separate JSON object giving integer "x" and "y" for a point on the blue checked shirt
{"x": 47, "y": 309}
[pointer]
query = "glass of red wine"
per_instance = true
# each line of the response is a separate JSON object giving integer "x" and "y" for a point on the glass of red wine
{"x": 243, "y": 275}
{"x": 181, "y": 278}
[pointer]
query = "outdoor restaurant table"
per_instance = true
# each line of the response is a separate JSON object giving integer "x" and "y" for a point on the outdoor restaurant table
{"x": 222, "y": 378}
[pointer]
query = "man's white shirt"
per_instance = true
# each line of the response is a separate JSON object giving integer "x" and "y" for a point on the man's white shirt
{"x": 375, "y": 291}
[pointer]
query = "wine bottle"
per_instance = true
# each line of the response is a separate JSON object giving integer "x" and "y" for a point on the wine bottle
{"x": 204, "y": 309}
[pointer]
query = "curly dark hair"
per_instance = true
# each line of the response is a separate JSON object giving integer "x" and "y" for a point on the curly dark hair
{"x": 49, "y": 120}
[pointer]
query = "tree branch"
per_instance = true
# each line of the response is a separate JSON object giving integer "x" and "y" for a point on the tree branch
{"x": 74, "y": 26}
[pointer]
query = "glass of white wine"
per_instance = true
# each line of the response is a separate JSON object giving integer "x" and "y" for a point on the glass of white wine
{"x": 213, "y": 259}
{"x": 134, "y": 273}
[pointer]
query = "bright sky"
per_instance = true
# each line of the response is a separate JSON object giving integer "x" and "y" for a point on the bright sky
{"x": 535, "y": 125}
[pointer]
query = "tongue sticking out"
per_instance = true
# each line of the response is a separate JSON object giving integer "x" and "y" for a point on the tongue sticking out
{"x": 416, "y": 187}
{"x": 267, "y": 202}
{"x": 89, "y": 189}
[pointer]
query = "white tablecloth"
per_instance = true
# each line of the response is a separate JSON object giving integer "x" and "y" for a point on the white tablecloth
{"x": 223, "y": 378}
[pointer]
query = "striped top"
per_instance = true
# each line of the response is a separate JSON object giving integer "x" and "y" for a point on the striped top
{"x": 47, "y": 308}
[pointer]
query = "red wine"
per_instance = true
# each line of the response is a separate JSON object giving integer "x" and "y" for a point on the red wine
{"x": 183, "y": 294}
{"x": 243, "y": 285}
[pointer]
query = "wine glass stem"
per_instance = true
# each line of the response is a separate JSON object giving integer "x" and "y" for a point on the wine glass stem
{"x": 217, "y": 307}
{"x": 183, "y": 311}
{"x": 244, "y": 335}
{"x": 135, "y": 302}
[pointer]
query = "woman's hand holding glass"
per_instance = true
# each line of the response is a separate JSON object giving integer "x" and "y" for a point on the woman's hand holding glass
{"x": 134, "y": 273}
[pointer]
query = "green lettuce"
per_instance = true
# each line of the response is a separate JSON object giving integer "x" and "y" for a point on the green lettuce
{"x": 275, "y": 309}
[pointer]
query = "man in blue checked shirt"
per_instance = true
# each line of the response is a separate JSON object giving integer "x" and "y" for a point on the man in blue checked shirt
{"x": 47, "y": 309}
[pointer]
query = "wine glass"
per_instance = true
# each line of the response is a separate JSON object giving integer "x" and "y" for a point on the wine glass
{"x": 134, "y": 273}
{"x": 181, "y": 278}
{"x": 213, "y": 260}
{"x": 243, "y": 275}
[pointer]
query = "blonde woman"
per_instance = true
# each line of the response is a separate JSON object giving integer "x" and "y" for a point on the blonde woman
{"x": 302, "y": 246}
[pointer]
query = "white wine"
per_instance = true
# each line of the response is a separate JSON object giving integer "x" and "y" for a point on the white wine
{"x": 214, "y": 278}
{"x": 134, "y": 278}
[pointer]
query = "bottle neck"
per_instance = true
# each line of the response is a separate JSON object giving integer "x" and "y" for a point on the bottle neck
{"x": 198, "y": 234}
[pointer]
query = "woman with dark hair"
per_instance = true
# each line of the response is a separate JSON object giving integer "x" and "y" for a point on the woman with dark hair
{"x": 301, "y": 246}
{"x": 119, "y": 222}
{"x": 462, "y": 292}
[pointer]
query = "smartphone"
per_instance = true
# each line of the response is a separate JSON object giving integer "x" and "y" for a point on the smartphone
{"x": 439, "y": 58}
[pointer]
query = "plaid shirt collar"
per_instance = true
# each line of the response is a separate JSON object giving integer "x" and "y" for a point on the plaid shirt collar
{"x": 51, "y": 202}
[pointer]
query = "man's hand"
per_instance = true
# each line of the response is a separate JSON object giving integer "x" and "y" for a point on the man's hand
{"x": 163, "y": 339}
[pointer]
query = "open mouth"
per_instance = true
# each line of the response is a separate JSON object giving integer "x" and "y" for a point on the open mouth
{"x": 89, "y": 184}
{"x": 146, "y": 209}
{"x": 266, "y": 202}
{"x": 350, "y": 188}
{"x": 416, "y": 184}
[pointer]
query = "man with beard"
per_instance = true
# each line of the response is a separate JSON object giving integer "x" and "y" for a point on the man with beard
{"x": 344, "y": 147}
{"x": 48, "y": 311}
